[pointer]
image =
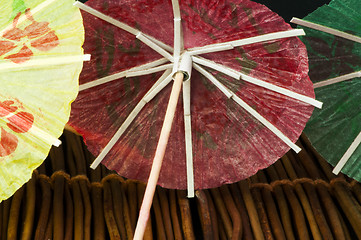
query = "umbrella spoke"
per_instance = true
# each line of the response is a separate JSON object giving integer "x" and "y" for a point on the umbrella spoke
{"x": 238, "y": 75}
{"x": 188, "y": 136}
{"x": 43, "y": 61}
{"x": 337, "y": 79}
{"x": 164, "y": 80}
{"x": 325, "y": 29}
{"x": 241, "y": 42}
{"x": 178, "y": 40}
{"x": 121, "y": 74}
{"x": 347, "y": 154}
{"x": 149, "y": 70}
{"x": 23, "y": 18}
{"x": 34, "y": 131}
{"x": 141, "y": 36}
{"x": 253, "y": 112}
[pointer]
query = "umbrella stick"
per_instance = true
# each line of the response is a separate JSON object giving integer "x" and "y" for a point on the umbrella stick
{"x": 158, "y": 158}
{"x": 148, "y": 235}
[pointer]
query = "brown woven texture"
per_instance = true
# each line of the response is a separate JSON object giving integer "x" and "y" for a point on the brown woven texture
{"x": 296, "y": 198}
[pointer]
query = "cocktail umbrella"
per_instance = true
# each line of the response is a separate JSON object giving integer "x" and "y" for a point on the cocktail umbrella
{"x": 333, "y": 40}
{"x": 245, "y": 100}
{"x": 40, "y": 62}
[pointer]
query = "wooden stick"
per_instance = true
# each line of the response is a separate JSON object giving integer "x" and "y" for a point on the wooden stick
{"x": 27, "y": 233}
{"x": 313, "y": 197}
{"x": 5, "y": 218}
{"x": 271, "y": 208}
{"x": 174, "y": 215}
{"x": 204, "y": 215}
{"x": 246, "y": 226}
{"x": 327, "y": 201}
{"x": 282, "y": 204}
{"x": 131, "y": 189}
{"x": 58, "y": 164}
{"x": 98, "y": 216}
{"x": 296, "y": 207}
{"x": 186, "y": 215}
{"x": 221, "y": 209}
{"x": 69, "y": 213}
{"x": 128, "y": 223}
{"x": 261, "y": 209}
{"x": 109, "y": 214}
{"x": 251, "y": 209}
{"x": 158, "y": 158}
{"x": 233, "y": 212}
{"x": 214, "y": 215}
{"x": 14, "y": 214}
{"x": 46, "y": 196}
{"x": 49, "y": 234}
{"x": 161, "y": 235}
{"x": 118, "y": 207}
{"x": 1, "y": 219}
{"x": 164, "y": 204}
{"x": 78, "y": 211}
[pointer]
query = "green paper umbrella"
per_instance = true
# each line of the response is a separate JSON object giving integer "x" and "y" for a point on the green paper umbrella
{"x": 40, "y": 62}
{"x": 333, "y": 41}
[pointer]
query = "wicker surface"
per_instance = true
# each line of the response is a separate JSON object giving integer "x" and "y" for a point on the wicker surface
{"x": 296, "y": 198}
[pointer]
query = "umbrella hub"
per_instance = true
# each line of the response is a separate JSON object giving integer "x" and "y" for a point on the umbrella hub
{"x": 183, "y": 64}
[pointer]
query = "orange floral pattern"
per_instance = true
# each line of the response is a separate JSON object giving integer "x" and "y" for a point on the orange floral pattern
{"x": 36, "y": 35}
{"x": 17, "y": 121}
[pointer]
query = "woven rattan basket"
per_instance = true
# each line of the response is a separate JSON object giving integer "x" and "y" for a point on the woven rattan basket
{"x": 296, "y": 198}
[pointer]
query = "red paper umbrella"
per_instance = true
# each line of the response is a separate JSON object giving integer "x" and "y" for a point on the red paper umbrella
{"x": 247, "y": 100}
{"x": 243, "y": 74}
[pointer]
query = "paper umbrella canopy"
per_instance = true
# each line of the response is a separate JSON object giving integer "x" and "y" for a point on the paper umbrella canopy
{"x": 333, "y": 39}
{"x": 40, "y": 62}
{"x": 245, "y": 100}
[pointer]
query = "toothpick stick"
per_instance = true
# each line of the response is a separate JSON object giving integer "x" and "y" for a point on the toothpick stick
{"x": 158, "y": 158}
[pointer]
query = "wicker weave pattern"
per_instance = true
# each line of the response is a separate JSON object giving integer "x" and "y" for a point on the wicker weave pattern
{"x": 296, "y": 198}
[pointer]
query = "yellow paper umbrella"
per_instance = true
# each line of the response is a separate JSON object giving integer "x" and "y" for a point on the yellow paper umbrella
{"x": 40, "y": 62}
